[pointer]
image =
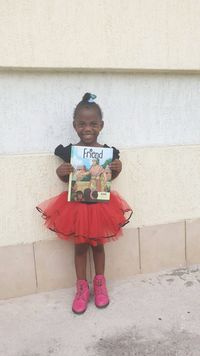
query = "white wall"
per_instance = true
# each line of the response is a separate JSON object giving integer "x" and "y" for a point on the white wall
{"x": 139, "y": 109}
{"x": 117, "y": 34}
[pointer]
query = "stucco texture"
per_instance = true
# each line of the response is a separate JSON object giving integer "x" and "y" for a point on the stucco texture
{"x": 138, "y": 109}
{"x": 111, "y": 34}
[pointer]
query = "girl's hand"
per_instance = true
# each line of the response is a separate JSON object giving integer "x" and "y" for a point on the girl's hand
{"x": 64, "y": 170}
{"x": 116, "y": 166}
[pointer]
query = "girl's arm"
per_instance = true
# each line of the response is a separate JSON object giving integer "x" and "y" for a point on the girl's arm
{"x": 116, "y": 167}
{"x": 63, "y": 171}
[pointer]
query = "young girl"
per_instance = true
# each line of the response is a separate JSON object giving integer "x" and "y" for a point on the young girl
{"x": 87, "y": 224}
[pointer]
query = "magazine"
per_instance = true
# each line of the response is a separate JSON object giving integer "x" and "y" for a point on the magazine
{"x": 91, "y": 178}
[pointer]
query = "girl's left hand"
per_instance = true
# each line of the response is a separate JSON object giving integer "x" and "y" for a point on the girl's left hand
{"x": 116, "y": 166}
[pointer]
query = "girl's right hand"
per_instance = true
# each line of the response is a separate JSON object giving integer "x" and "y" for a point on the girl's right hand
{"x": 64, "y": 169}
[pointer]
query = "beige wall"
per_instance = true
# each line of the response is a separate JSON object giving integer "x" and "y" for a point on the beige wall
{"x": 47, "y": 265}
{"x": 157, "y": 183}
{"x": 107, "y": 34}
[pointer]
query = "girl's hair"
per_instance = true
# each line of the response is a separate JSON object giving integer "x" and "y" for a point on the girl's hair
{"x": 88, "y": 103}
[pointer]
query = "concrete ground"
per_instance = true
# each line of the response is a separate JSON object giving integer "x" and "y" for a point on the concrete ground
{"x": 149, "y": 315}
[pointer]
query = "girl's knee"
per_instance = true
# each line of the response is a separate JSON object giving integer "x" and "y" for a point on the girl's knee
{"x": 98, "y": 249}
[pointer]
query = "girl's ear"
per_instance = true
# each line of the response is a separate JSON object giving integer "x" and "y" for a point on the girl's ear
{"x": 102, "y": 124}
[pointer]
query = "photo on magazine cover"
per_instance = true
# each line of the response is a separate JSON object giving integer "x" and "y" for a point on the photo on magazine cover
{"x": 91, "y": 179}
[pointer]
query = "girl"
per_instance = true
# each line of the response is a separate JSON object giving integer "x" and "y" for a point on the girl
{"x": 87, "y": 224}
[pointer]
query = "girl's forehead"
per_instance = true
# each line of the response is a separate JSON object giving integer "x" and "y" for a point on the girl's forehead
{"x": 87, "y": 114}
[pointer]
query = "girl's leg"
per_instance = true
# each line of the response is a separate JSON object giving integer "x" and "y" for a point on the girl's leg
{"x": 81, "y": 299}
{"x": 100, "y": 290}
{"x": 80, "y": 260}
{"x": 99, "y": 259}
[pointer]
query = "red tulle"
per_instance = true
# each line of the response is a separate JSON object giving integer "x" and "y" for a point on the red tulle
{"x": 93, "y": 224}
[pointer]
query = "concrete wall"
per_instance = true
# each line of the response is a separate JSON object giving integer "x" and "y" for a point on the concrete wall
{"x": 139, "y": 109}
{"x": 143, "y": 115}
{"x": 71, "y": 47}
{"x": 47, "y": 265}
{"x": 152, "y": 118}
{"x": 111, "y": 34}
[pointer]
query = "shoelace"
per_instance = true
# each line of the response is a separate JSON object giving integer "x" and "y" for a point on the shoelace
{"x": 100, "y": 289}
{"x": 79, "y": 293}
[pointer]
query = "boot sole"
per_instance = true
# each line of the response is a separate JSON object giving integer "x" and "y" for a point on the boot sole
{"x": 78, "y": 313}
{"x": 103, "y": 306}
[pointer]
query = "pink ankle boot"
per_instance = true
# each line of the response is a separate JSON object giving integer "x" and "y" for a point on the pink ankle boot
{"x": 82, "y": 296}
{"x": 100, "y": 291}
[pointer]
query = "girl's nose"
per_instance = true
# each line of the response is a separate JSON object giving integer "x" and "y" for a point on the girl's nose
{"x": 87, "y": 128}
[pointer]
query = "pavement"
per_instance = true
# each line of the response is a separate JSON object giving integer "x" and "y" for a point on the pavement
{"x": 149, "y": 315}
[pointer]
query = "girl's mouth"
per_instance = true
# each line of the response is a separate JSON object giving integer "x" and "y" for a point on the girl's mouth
{"x": 86, "y": 136}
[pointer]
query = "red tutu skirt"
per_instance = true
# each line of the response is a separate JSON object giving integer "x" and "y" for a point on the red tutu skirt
{"x": 93, "y": 223}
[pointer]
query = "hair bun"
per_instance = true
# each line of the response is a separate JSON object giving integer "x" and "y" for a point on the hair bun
{"x": 86, "y": 97}
{"x": 89, "y": 98}
{"x": 88, "y": 101}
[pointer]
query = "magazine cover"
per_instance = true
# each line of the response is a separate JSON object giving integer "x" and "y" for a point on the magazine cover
{"x": 91, "y": 179}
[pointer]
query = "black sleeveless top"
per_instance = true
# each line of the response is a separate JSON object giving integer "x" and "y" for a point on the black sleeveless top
{"x": 65, "y": 152}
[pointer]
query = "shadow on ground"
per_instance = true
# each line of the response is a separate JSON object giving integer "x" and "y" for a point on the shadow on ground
{"x": 132, "y": 344}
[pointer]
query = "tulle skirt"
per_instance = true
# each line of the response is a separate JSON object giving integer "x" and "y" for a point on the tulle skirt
{"x": 93, "y": 223}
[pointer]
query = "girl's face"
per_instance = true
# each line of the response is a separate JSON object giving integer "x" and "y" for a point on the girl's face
{"x": 88, "y": 125}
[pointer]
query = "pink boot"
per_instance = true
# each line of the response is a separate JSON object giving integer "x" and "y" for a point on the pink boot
{"x": 82, "y": 296}
{"x": 100, "y": 291}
